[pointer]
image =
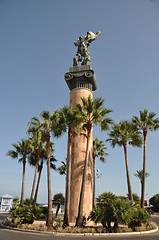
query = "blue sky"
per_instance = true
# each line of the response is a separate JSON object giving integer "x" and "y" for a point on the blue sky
{"x": 36, "y": 50}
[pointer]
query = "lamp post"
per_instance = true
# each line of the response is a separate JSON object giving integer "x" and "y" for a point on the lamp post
{"x": 147, "y": 199}
{"x": 99, "y": 175}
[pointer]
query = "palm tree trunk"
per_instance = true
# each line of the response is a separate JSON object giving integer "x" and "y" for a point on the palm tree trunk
{"x": 49, "y": 215}
{"x": 57, "y": 210}
{"x": 35, "y": 174}
{"x": 79, "y": 221}
{"x": 38, "y": 182}
{"x": 144, "y": 171}
{"x": 94, "y": 179}
{"x": 68, "y": 178}
{"x": 127, "y": 173}
{"x": 23, "y": 183}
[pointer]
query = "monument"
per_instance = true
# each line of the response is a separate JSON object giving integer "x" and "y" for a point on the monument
{"x": 81, "y": 82}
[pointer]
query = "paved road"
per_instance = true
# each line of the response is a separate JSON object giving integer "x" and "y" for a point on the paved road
{"x": 156, "y": 219}
{"x": 3, "y": 216}
{"x": 15, "y": 235}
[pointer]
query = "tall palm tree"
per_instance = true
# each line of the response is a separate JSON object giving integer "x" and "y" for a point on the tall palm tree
{"x": 68, "y": 121}
{"x": 48, "y": 126}
{"x": 91, "y": 112}
{"x": 21, "y": 151}
{"x": 33, "y": 160}
{"x": 146, "y": 122}
{"x": 98, "y": 152}
{"x": 122, "y": 133}
{"x": 37, "y": 140}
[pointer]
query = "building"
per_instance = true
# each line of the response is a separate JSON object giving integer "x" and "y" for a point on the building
{"x": 6, "y": 203}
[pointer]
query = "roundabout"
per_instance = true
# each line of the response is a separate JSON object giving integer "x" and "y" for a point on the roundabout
{"x": 14, "y": 234}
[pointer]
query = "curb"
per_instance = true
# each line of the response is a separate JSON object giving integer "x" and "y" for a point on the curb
{"x": 79, "y": 234}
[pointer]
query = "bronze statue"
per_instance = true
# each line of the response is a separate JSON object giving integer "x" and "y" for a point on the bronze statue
{"x": 82, "y": 44}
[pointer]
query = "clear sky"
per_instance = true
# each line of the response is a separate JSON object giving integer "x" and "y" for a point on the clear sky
{"x": 36, "y": 50}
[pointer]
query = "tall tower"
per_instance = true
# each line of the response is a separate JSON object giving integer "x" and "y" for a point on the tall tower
{"x": 81, "y": 82}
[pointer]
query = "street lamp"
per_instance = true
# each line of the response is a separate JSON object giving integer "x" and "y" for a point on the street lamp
{"x": 147, "y": 199}
{"x": 99, "y": 175}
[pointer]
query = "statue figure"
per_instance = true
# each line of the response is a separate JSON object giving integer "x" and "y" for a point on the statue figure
{"x": 82, "y": 44}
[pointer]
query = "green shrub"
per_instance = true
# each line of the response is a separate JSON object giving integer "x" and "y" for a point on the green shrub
{"x": 103, "y": 212}
{"x": 27, "y": 214}
{"x": 119, "y": 210}
{"x": 122, "y": 211}
{"x": 139, "y": 217}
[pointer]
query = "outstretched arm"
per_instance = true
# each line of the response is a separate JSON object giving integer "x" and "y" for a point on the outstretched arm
{"x": 91, "y": 36}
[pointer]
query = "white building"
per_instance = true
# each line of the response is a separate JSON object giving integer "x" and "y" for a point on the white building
{"x": 6, "y": 203}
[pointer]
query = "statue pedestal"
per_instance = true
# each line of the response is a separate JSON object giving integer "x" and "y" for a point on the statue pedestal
{"x": 81, "y": 82}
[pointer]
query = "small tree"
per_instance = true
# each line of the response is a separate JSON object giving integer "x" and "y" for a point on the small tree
{"x": 58, "y": 200}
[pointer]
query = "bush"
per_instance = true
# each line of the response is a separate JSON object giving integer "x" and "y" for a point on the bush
{"x": 28, "y": 213}
{"x": 119, "y": 210}
{"x": 122, "y": 211}
{"x": 103, "y": 212}
{"x": 139, "y": 217}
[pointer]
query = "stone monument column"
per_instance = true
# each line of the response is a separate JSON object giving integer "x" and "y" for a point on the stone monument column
{"x": 81, "y": 82}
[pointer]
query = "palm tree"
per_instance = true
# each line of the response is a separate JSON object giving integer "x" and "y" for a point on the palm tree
{"x": 91, "y": 112}
{"x": 40, "y": 167}
{"x": 37, "y": 140}
{"x": 48, "y": 126}
{"x": 99, "y": 152}
{"x": 68, "y": 121}
{"x": 122, "y": 133}
{"x": 62, "y": 169}
{"x": 43, "y": 159}
{"x": 21, "y": 151}
{"x": 139, "y": 175}
{"x": 146, "y": 122}
{"x": 33, "y": 160}
{"x": 58, "y": 200}
{"x": 16, "y": 202}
